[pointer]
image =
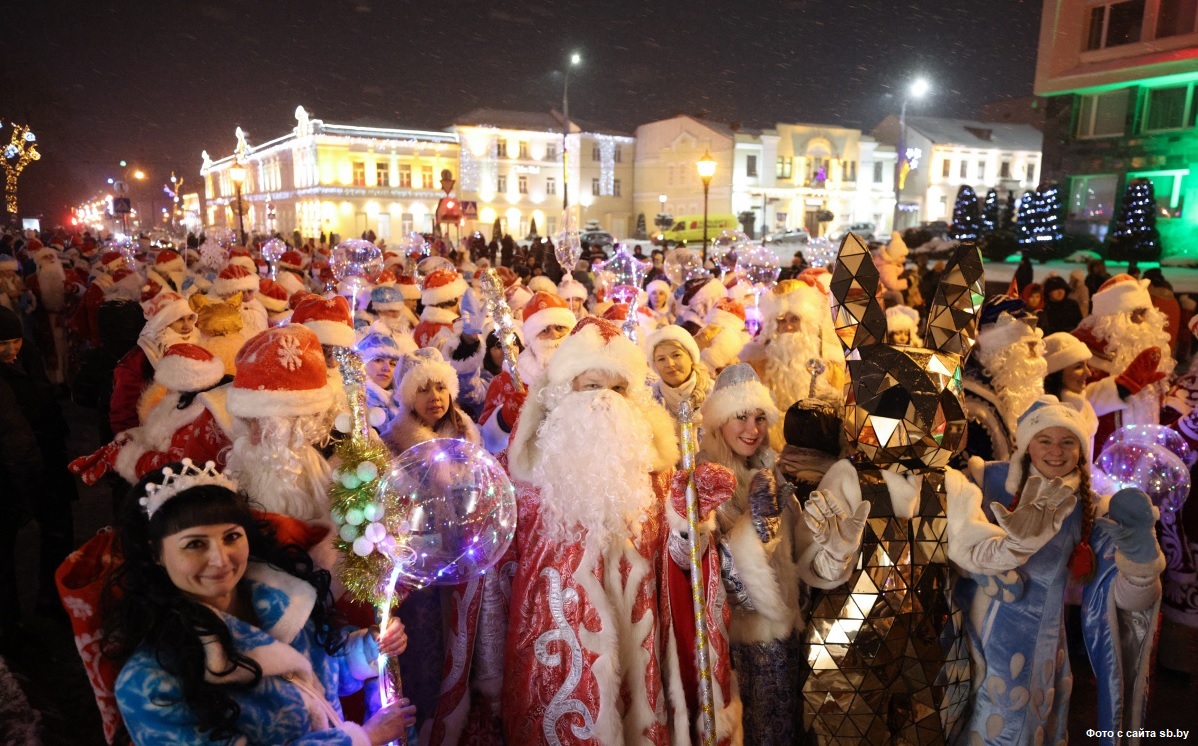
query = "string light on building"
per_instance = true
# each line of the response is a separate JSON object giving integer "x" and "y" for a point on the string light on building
{"x": 21, "y": 149}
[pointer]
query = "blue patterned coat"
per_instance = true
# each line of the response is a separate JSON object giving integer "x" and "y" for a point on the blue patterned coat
{"x": 296, "y": 701}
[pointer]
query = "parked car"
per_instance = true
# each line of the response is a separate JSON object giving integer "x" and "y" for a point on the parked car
{"x": 797, "y": 236}
{"x": 598, "y": 239}
{"x": 865, "y": 230}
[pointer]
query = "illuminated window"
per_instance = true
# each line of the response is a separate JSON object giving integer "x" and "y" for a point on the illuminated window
{"x": 426, "y": 177}
{"x": 595, "y": 187}
{"x": 501, "y": 148}
{"x": 947, "y": 168}
{"x": 501, "y": 183}
{"x": 523, "y": 150}
{"x": 382, "y": 174}
{"x": 615, "y": 188}
{"x": 1031, "y": 172}
{"x": 1115, "y": 23}
{"x": 1103, "y": 114}
{"x": 359, "y": 173}
{"x": 405, "y": 177}
{"x": 550, "y": 185}
{"x": 783, "y": 167}
{"x": 1168, "y": 108}
{"x": 1092, "y": 202}
{"x": 522, "y": 184}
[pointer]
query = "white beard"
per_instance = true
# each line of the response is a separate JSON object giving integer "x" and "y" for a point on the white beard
{"x": 593, "y": 467}
{"x": 1125, "y": 340}
{"x": 535, "y": 358}
{"x": 51, "y": 280}
{"x": 1017, "y": 379}
{"x": 283, "y": 473}
{"x": 786, "y": 373}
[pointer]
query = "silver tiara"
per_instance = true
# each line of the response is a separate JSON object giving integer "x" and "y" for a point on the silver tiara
{"x": 189, "y": 476}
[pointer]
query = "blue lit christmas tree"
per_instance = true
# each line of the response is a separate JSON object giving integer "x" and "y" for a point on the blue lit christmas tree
{"x": 990, "y": 212}
{"x": 1133, "y": 235}
{"x": 1042, "y": 231}
{"x": 1023, "y": 223}
{"x": 967, "y": 218}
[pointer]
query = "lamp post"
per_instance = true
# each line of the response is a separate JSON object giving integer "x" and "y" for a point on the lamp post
{"x": 237, "y": 174}
{"x": 575, "y": 59}
{"x": 706, "y": 167}
{"x": 918, "y": 88}
{"x": 122, "y": 187}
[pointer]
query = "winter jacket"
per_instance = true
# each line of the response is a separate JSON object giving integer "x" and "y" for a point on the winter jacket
{"x": 296, "y": 700}
{"x": 130, "y": 378}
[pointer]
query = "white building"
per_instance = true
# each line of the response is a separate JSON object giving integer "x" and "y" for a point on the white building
{"x": 512, "y": 170}
{"x": 949, "y": 153}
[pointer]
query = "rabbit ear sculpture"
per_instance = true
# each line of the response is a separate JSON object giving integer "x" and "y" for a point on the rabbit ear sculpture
{"x": 856, "y": 311}
{"x": 957, "y": 304}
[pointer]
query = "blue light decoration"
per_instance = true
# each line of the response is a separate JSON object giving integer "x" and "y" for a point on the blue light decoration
{"x": 1133, "y": 234}
{"x": 1040, "y": 221}
{"x": 967, "y": 219}
{"x": 990, "y": 212}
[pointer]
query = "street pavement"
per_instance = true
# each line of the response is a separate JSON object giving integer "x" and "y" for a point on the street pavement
{"x": 49, "y": 671}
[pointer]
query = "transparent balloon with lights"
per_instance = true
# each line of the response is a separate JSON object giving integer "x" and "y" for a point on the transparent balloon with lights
{"x": 568, "y": 248}
{"x": 355, "y": 263}
{"x": 627, "y": 273}
{"x": 1152, "y": 467}
{"x": 682, "y": 265}
{"x": 820, "y": 252}
{"x": 726, "y": 248}
{"x": 271, "y": 252}
{"x": 759, "y": 266}
{"x": 414, "y": 247}
{"x": 1160, "y": 435}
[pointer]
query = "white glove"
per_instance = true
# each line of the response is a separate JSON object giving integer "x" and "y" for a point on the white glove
{"x": 835, "y": 530}
{"x": 1042, "y": 509}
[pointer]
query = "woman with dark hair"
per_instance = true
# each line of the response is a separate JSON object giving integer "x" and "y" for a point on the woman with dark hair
{"x": 1060, "y": 312}
{"x": 226, "y": 635}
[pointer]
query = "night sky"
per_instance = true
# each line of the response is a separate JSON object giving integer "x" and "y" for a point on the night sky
{"x": 156, "y": 82}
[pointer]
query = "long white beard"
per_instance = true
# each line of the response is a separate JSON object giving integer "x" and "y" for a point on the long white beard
{"x": 593, "y": 467}
{"x": 786, "y": 372}
{"x": 282, "y": 472}
{"x": 535, "y": 359}
{"x": 51, "y": 280}
{"x": 1017, "y": 379}
{"x": 1126, "y": 340}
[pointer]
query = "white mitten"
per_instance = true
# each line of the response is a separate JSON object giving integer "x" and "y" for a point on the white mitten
{"x": 836, "y": 531}
{"x": 1042, "y": 509}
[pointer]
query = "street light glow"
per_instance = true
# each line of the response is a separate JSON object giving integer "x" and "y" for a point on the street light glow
{"x": 919, "y": 87}
{"x": 706, "y": 167}
{"x": 139, "y": 174}
{"x": 575, "y": 58}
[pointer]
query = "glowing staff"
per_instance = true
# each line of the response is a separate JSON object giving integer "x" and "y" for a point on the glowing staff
{"x": 505, "y": 327}
{"x": 703, "y": 662}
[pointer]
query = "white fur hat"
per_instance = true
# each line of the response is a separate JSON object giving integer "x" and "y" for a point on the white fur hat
{"x": 1062, "y": 350}
{"x": 737, "y": 390}
{"x": 597, "y": 344}
{"x": 896, "y": 250}
{"x": 542, "y": 284}
{"x": 1006, "y": 331}
{"x": 1120, "y": 294}
{"x": 571, "y": 288}
{"x": 417, "y": 368}
{"x": 235, "y": 278}
{"x": 806, "y": 298}
{"x": 188, "y": 367}
{"x": 672, "y": 333}
{"x": 1045, "y": 412}
{"x": 901, "y": 318}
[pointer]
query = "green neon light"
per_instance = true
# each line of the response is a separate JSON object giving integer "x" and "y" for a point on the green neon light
{"x": 1160, "y": 81}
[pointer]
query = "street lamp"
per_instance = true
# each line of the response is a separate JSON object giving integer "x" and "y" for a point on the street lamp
{"x": 918, "y": 88}
{"x": 122, "y": 187}
{"x": 706, "y": 167}
{"x": 575, "y": 59}
{"x": 237, "y": 175}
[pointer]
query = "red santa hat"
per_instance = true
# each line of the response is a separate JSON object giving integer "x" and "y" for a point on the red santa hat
{"x": 385, "y": 278}
{"x": 408, "y": 287}
{"x": 240, "y": 257}
{"x": 169, "y": 261}
{"x": 618, "y": 312}
{"x": 234, "y": 278}
{"x": 442, "y": 286}
{"x": 1120, "y": 294}
{"x": 727, "y": 314}
{"x": 597, "y": 344}
{"x": 291, "y": 260}
{"x": 328, "y": 318}
{"x": 280, "y": 373}
{"x": 391, "y": 258}
{"x": 272, "y": 295}
{"x": 149, "y": 291}
{"x": 737, "y": 288}
{"x": 543, "y": 310}
{"x": 517, "y": 297}
{"x": 187, "y": 367}
{"x": 162, "y": 310}
{"x": 298, "y": 296}
{"x": 805, "y": 297}
{"x": 112, "y": 260}
{"x": 419, "y": 367}
{"x": 676, "y": 334}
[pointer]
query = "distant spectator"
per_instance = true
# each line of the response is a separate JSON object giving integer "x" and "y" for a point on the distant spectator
{"x": 1060, "y": 312}
{"x": 1096, "y": 275}
{"x": 1024, "y": 274}
{"x": 1166, "y": 302}
{"x": 1033, "y": 296}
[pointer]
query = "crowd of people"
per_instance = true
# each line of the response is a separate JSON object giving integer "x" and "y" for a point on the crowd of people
{"x": 901, "y": 529}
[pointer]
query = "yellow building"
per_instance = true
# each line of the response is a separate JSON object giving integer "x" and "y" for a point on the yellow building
{"x": 341, "y": 179}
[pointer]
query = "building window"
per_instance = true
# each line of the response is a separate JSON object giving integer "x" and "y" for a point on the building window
{"x": 550, "y": 185}
{"x": 594, "y": 187}
{"x": 595, "y": 153}
{"x": 359, "y": 173}
{"x": 523, "y": 150}
{"x": 1168, "y": 109}
{"x": 405, "y": 177}
{"x": 1092, "y": 201}
{"x": 981, "y": 170}
{"x": 1102, "y": 115}
{"x": 551, "y": 151}
{"x": 878, "y": 172}
{"x": 852, "y": 171}
{"x": 783, "y": 167}
{"x": 947, "y": 168}
{"x": 522, "y": 184}
{"x": 619, "y": 156}
{"x": 750, "y": 165}
{"x": 1031, "y": 172}
{"x": 1004, "y": 170}
{"x": 615, "y": 188}
{"x": 382, "y": 174}
{"x": 501, "y": 183}
{"x": 1176, "y": 18}
{"x": 964, "y": 169}
{"x": 501, "y": 148}
{"x": 1115, "y": 23}
{"x": 426, "y": 177}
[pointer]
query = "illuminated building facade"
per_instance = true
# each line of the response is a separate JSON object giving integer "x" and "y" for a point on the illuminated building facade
{"x": 1120, "y": 79}
{"x": 511, "y": 170}
{"x": 950, "y": 153}
{"x": 341, "y": 179}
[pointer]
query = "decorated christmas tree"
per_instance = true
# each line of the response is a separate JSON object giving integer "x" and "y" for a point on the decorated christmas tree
{"x": 990, "y": 212}
{"x": 1040, "y": 222}
{"x": 967, "y": 219}
{"x": 1023, "y": 223}
{"x": 1133, "y": 234}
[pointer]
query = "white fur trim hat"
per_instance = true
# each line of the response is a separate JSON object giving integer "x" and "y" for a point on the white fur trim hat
{"x": 1120, "y": 294}
{"x": 163, "y": 310}
{"x": 1045, "y": 412}
{"x": 804, "y": 297}
{"x": 9, "y": 263}
{"x": 329, "y": 318}
{"x": 234, "y": 278}
{"x": 1063, "y": 350}
{"x": 280, "y": 373}
{"x": 901, "y": 318}
{"x": 546, "y": 309}
{"x": 442, "y": 286}
{"x": 386, "y": 298}
{"x": 408, "y": 287}
{"x": 597, "y": 344}
{"x": 728, "y": 314}
{"x": 702, "y": 291}
{"x": 571, "y": 288}
{"x": 169, "y": 261}
{"x": 1006, "y": 331}
{"x": 676, "y": 334}
{"x": 417, "y": 368}
{"x": 737, "y": 390}
{"x": 272, "y": 295}
{"x": 896, "y": 250}
{"x": 542, "y": 284}
{"x": 517, "y": 297}
{"x": 187, "y": 367}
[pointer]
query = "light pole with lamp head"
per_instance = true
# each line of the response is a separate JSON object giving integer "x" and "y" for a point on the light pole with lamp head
{"x": 237, "y": 175}
{"x": 122, "y": 188}
{"x": 575, "y": 59}
{"x": 918, "y": 88}
{"x": 706, "y": 167}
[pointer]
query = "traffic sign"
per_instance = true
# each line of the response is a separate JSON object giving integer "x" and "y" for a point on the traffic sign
{"x": 121, "y": 205}
{"x": 470, "y": 210}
